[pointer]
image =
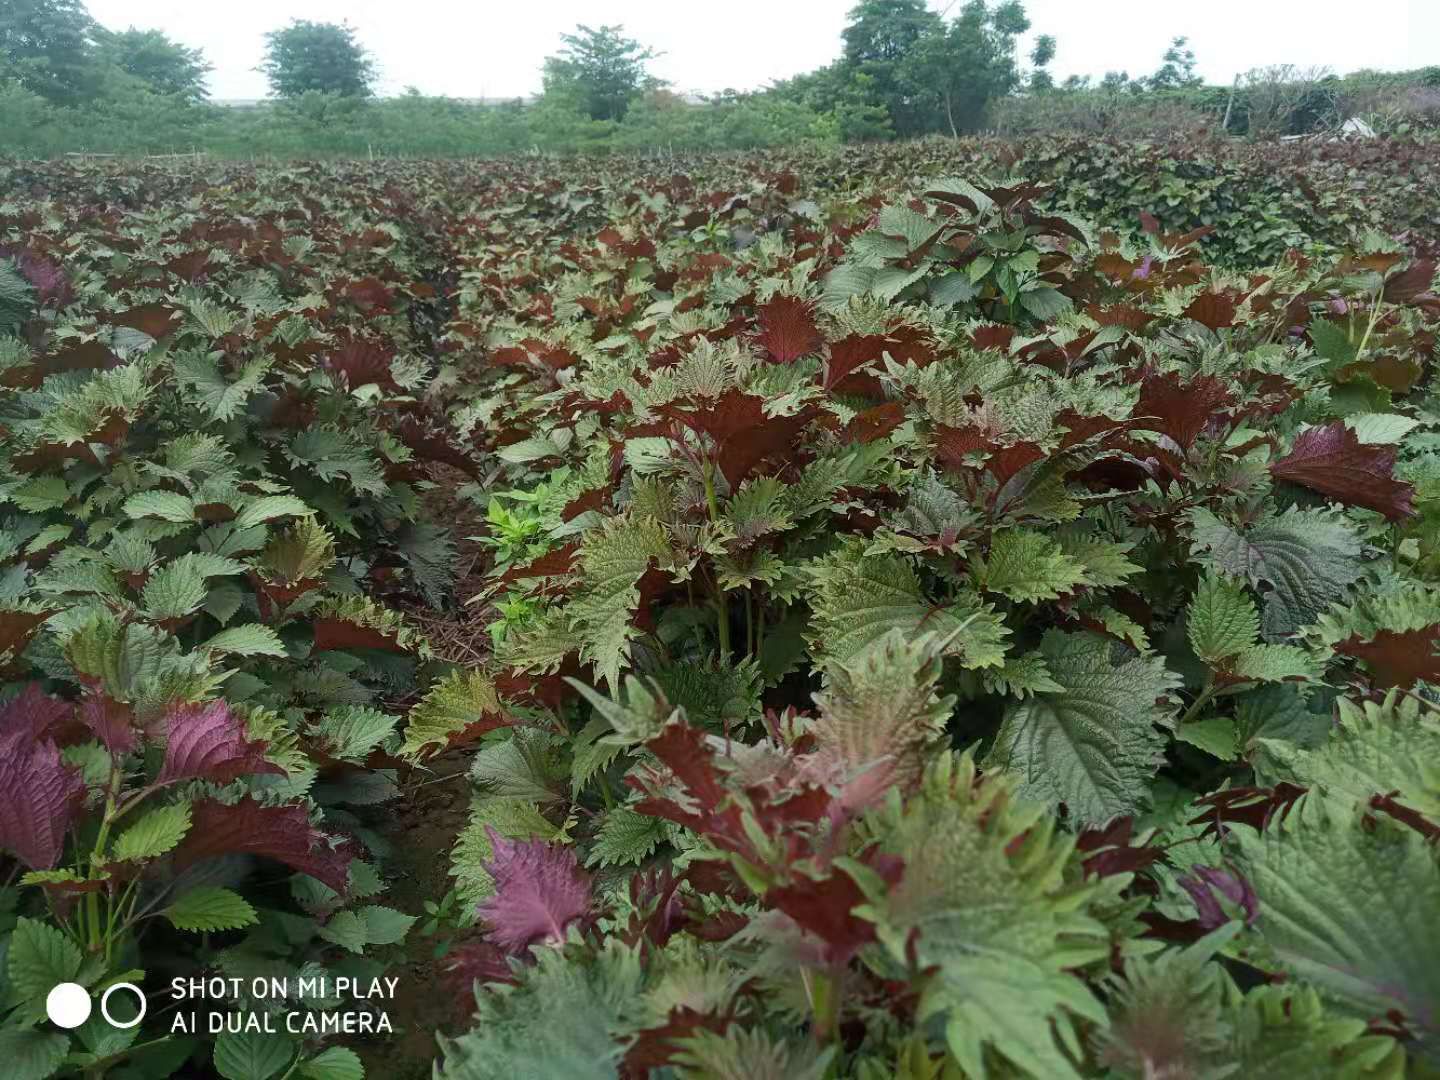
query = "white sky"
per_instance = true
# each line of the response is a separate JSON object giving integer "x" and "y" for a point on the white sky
{"x": 494, "y": 48}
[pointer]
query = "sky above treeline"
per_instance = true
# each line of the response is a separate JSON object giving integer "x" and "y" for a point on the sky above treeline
{"x": 488, "y": 48}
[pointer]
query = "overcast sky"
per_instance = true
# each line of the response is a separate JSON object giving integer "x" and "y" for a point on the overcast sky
{"x": 490, "y": 48}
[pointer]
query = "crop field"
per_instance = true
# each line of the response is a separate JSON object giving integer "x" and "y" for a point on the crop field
{"x": 937, "y": 611}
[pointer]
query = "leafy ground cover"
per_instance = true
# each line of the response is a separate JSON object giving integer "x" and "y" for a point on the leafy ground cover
{"x": 805, "y": 615}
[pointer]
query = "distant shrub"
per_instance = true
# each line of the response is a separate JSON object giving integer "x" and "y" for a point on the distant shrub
{"x": 1101, "y": 112}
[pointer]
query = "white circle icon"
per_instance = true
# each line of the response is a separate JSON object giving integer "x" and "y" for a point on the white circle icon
{"x": 68, "y": 1005}
{"x": 105, "y": 1001}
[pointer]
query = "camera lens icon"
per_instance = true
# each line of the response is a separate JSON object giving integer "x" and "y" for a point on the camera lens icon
{"x": 68, "y": 1005}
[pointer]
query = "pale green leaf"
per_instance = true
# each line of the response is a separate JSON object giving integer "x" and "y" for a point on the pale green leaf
{"x": 208, "y": 908}
{"x": 457, "y": 703}
{"x": 1215, "y": 735}
{"x": 40, "y": 956}
{"x": 385, "y": 925}
{"x": 252, "y": 1055}
{"x": 252, "y": 639}
{"x": 154, "y": 834}
{"x": 1222, "y": 620}
{"x": 1094, "y": 746}
{"x": 167, "y": 505}
{"x": 333, "y": 1063}
{"x": 1025, "y": 565}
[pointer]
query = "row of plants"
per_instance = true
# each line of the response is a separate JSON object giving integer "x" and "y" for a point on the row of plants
{"x": 318, "y": 124}
{"x": 1261, "y": 198}
{"x": 212, "y": 429}
{"x": 934, "y": 637}
{"x": 923, "y": 633}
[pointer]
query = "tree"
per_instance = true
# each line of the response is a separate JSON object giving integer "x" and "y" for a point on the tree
{"x": 1283, "y": 99}
{"x": 969, "y": 62}
{"x": 602, "y": 70}
{"x": 1040, "y": 57}
{"x": 880, "y": 45}
{"x": 325, "y": 57}
{"x": 164, "y": 66}
{"x": 48, "y": 46}
{"x": 1177, "y": 68}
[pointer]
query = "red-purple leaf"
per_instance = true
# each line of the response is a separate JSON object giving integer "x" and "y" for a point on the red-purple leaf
{"x": 824, "y": 908}
{"x": 1253, "y": 806}
{"x": 81, "y": 356}
{"x": 992, "y": 336}
{"x": 954, "y": 444}
{"x": 705, "y": 805}
{"x": 788, "y": 329}
{"x": 157, "y": 319}
{"x": 848, "y": 354}
{"x": 283, "y": 833}
{"x": 428, "y": 445}
{"x": 1179, "y": 407}
{"x": 1081, "y": 428}
{"x": 1112, "y": 850}
{"x": 1208, "y": 885}
{"x": 39, "y": 797}
{"x": 1398, "y": 658}
{"x": 1410, "y": 282}
{"x": 191, "y": 266}
{"x": 208, "y": 742}
{"x": 52, "y": 287}
{"x": 1214, "y": 310}
{"x": 656, "y": 1047}
{"x": 594, "y": 499}
{"x": 539, "y": 891}
{"x": 743, "y": 434}
{"x": 474, "y": 962}
{"x": 1131, "y": 318}
{"x": 1333, "y": 461}
{"x": 658, "y": 913}
{"x": 874, "y": 423}
{"x": 358, "y": 361}
{"x": 336, "y": 632}
{"x": 558, "y": 561}
{"x": 113, "y": 722}
{"x": 370, "y": 295}
{"x": 34, "y": 713}
{"x": 1407, "y": 816}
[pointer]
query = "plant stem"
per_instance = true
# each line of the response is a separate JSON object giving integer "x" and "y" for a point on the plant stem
{"x": 711, "y": 503}
{"x": 97, "y": 1068}
{"x": 825, "y": 1004}
{"x": 1369, "y": 327}
{"x": 1202, "y": 699}
{"x": 97, "y": 856}
{"x": 722, "y": 621}
{"x": 722, "y": 610}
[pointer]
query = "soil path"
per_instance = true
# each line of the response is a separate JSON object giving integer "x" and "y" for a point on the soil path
{"x": 422, "y": 825}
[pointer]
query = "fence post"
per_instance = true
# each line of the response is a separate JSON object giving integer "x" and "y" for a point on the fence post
{"x": 1230, "y": 104}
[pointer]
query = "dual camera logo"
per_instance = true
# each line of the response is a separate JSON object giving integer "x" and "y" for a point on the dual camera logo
{"x": 68, "y": 1005}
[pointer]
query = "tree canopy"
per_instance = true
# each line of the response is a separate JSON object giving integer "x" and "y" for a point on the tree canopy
{"x": 47, "y": 47}
{"x": 164, "y": 66}
{"x": 601, "y": 70}
{"x": 907, "y": 70}
{"x": 964, "y": 64}
{"x": 317, "y": 56}
{"x": 54, "y": 49}
{"x": 881, "y": 40}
